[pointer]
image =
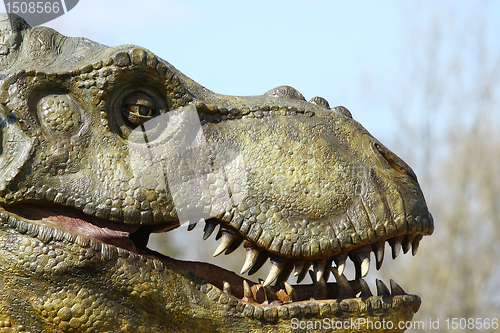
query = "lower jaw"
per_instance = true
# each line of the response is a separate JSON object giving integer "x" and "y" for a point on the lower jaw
{"x": 272, "y": 303}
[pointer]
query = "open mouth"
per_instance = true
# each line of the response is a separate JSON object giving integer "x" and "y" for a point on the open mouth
{"x": 46, "y": 221}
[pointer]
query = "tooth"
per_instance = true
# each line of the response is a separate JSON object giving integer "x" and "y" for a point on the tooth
{"x": 236, "y": 243}
{"x": 365, "y": 289}
{"x": 285, "y": 274}
{"x": 319, "y": 269}
{"x": 365, "y": 264}
{"x": 270, "y": 294}
{"x": 298, "y": 267}
{"x": 378, "y": 249}
{"x": 415, "y": 244}
{"x": 251, "y": 257}
{"x": 226, "y": 240}
{"x": 344, "y": 288}
{"x": 396, "y": 243}
{"x": 396, "y": 289}
{"x": 259, "y": 293}
{"x": 340, "y": 262}
{"x": 209, "y": 228}
{"x": 382, "y": 288}
{"x": 291, "y": 292}
{"x": 277, "y": 265}
{"x": 227, "y": 288}
{"x": 247, "y": 292}
{"x": 319, "y": 291}
{"x": 191, "y": 226}
{"x": 219, "y": 233}
{"x": 301, "y": 271}
{"x": 261, "y": 260}
{"x": 407, "y": 243}
{"x": 311, "y": 275}
{"x": 361, "y": 259}
{"x": 328, "y": 268}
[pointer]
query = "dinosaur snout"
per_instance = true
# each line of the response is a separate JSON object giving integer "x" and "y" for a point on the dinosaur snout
{"x": 388, "y": 157}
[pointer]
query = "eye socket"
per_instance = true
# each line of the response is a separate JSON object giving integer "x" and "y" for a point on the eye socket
{"x": 138, "y": 108}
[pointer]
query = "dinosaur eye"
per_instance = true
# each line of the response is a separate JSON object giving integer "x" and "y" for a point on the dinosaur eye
{"x": 141, "y": 110}
{"x": 138, "y": 108}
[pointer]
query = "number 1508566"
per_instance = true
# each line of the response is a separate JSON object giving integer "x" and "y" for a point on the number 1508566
{"x": 32, "y": 7}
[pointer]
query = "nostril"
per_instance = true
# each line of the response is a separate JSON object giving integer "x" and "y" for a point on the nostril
{"x": 395, "y": 162}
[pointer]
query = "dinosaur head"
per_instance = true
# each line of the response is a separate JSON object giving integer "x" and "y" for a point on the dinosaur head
{"x": 108, "y": 145}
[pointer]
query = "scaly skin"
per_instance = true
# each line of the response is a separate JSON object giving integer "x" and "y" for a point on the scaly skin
{"x": 101, "y": 146}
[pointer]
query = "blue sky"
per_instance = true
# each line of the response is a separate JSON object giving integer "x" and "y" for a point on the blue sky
{"x": 352, "y": 53}
{"x": 322, "y": 48}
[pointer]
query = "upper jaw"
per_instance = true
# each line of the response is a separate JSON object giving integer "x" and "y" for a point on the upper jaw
{"x": 265, "y": 180}
{"x": 305, "y": 199}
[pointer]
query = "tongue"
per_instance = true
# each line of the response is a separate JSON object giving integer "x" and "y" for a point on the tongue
{"x": 75, "y": 222}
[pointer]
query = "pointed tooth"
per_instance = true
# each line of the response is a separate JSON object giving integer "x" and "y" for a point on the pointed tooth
{"x": 209, "y": 228}
{"x": 303, "y": 272}
{"x": 291, "y": 292}
{"x": 285, "y": 274}
{"x": 227, "y": 239}
{"x": 219, "y": 233}
{"x": 396, "y": 243}
{"x": 236, "y": 243}
{"x": 311, "y": 275}
{"x": 341, "y": 267}
{"x": 361, "y": 259}
{"x": 320, "y": 290}
{"x": 261, "y": 294}
{"x": 328, "y": 268}
{"x": 261, "y": 260}
{"x": 364, "y": 259}
{"x": 227, "y": 288}
{"x": 251, "y": 256}
{"x": 365, "y": 265}
{"x": 415, "y": 244}
{"x": 340, "y": 262}
{"x": 317, "y": 277}
{"x": 277, "y": 265}
{"x": 344, "y": 288}
{"x": 298, "y": 267}
{"x": 365, "y": 289}
{"x": 378, "y": 249}
{"x": 247, "y": 292}
{"x": 319, "y": 269}
{"x": 407, "y": 243}
{"x": 382, "y": 288}
{"x": 191, "y": 226}
{"x": 396, "y": 289}
{"x": 270, "y": 294}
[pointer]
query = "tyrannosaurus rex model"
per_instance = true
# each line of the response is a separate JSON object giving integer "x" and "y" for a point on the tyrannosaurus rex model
{"x": 100, "y": 147}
